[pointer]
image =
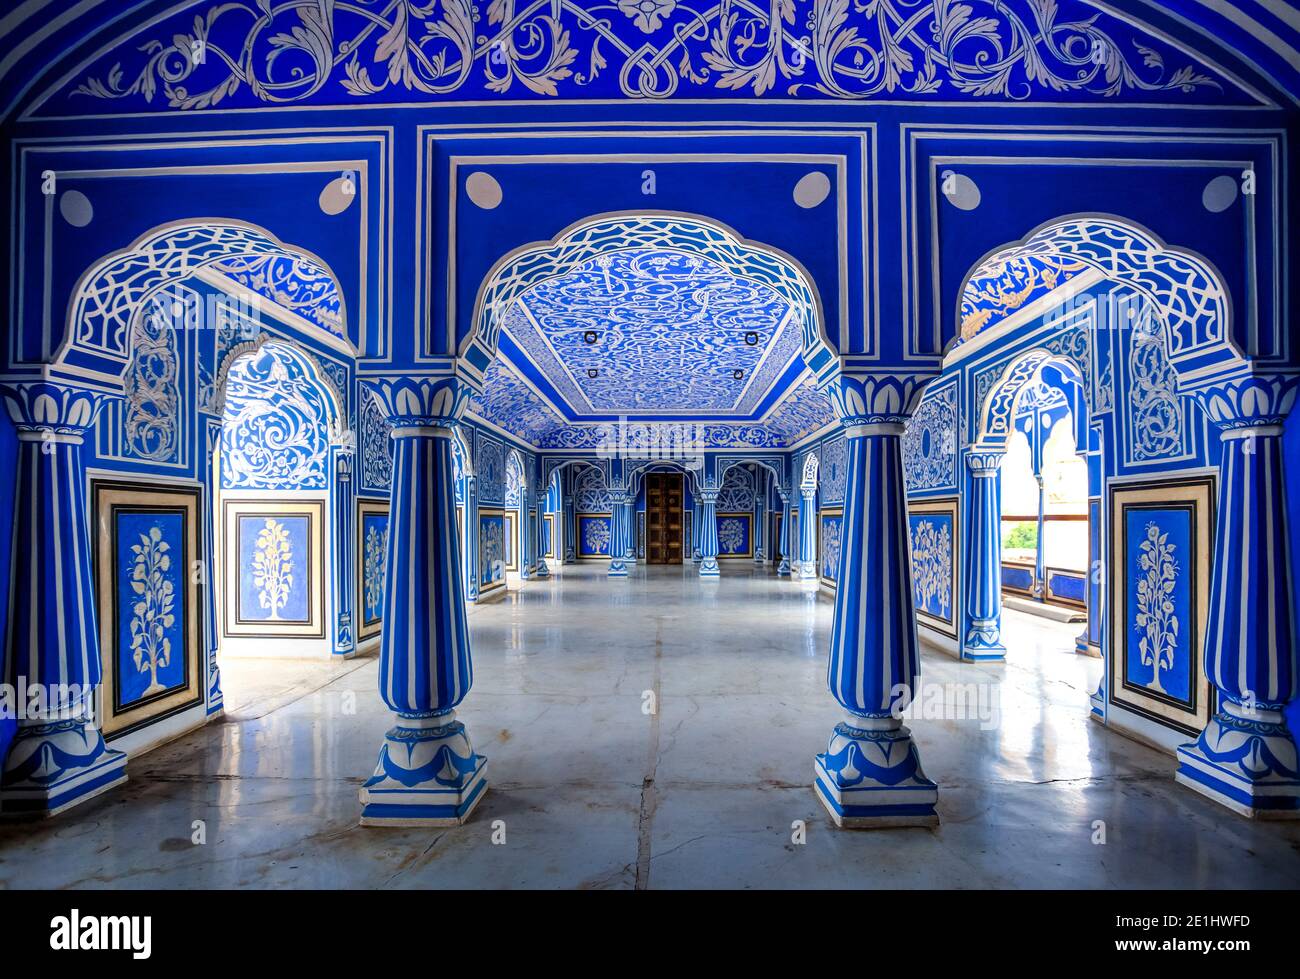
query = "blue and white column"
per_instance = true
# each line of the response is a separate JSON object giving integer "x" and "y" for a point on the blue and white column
{"x": 629, "y": 553}
{"x": 58, "y": 757}
{"x": 618, "y": 533}
{"x": 695, "y": 527}
{"x": 428, "y": 773}
{"x": 216, "y": 703}
{"x": 1246, "y": 756}
{"x": 543, "y": 569}
{"x": 870, "y": 774}
{"x": 344, "y": 583}
{"x": 708, "y": 500}
{"x": 808, "y": 570}
{"x": 982, "y": 637}
{"x": 783, "y": 568}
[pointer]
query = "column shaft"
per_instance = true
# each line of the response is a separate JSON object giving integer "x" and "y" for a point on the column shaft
{"x": 983, "y": 633}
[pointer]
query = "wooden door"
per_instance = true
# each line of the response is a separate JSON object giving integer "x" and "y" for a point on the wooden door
{"x": 663, "y": 518}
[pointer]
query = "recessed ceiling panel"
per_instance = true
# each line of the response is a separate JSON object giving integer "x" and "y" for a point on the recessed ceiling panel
{"x": 654, "y": 332}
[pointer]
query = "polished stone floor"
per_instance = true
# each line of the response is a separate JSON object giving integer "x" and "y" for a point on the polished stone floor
{"x": 594, "y": 790}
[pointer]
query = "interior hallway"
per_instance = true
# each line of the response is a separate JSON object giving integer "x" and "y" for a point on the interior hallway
{"x": 595, "y": 793}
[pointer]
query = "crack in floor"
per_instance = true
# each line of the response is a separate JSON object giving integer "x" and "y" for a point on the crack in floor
{"x": 649, "y": 797}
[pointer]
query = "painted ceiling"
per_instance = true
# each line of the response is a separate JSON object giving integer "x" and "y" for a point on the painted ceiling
{"x": 643, "y": 332}
{"x": 244, "y": 53}
{"x": 512, "y": 404}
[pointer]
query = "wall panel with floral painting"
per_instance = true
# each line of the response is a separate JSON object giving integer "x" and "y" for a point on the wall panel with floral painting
{"x": 933, "y": 530}
{"x": 275, "y": 568}
{"x": 1161, "y": 539}
{"x": 149, "y": 602}
{"x": 372, "y": 557}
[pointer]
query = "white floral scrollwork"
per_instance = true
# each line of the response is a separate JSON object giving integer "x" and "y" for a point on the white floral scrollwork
{"x": 275, "y": 429}
{"x": 264, "y": 51}
{"x": 152, "y": 388}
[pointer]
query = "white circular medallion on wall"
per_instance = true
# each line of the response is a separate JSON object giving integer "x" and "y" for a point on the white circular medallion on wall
{"x": 812, "y": 189}
{"x": 1219, "y": 194}
{"x": 339, "y": 194}
{"x": 483, "y": 190}
{"x": 76, "y": 208}
{"x": 962, "y": 192}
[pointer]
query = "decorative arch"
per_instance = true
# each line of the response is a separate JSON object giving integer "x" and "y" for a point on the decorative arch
{"x": 525, "y": 267}
{"x": 996, "y": 413}
{"x": 113, "y": 291}
{"x": 637, "y": 472}
{"x": 1185, "y": 289}
{"x": 591, "y": 491}
{"x": 271, "y": 417}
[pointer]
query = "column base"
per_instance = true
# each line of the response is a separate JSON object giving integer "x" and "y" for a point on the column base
{"x": 55, "y": 765}
{"x": 1245, "y": 760}
{"x": 783, "y": 569}
{"x": 428, "y": 775}
{"x": 975, "y": 650}
{"x": 543, "y": 569}
{"x": 618, "y": 569}
{"x": 870, "y": 777}
{"x": 709, "y": 568}
{"x": 807, "y": 574}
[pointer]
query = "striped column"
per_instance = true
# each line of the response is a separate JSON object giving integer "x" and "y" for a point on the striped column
{"x": 983, "y": 634}
{"x": 344, "y": 582}
{"x": 58, "y": 757}
{"x": 428, "y": 774}
{"x": 1246, "y": 756}
{"x": 870, "y": 774}
{"x": 783, "y": 568}
{"x": 808, "y": 570}
{"x": 617, "y": 533}
{"x": 543, "y": 569}
{"x": 695, "y": 528}
{"x": 708, "y": 498}
{"x": 629, "y": 553}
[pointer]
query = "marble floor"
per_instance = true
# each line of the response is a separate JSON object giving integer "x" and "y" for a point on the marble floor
{"x": 589, "y": 789}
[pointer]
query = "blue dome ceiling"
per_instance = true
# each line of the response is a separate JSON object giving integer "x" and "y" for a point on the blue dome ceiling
{"x": 646, "y": 332}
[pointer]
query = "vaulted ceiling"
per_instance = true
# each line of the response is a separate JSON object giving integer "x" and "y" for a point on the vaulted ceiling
{"x": 653, "y": 332}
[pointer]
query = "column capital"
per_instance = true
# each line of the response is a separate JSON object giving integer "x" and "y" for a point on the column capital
{"x": 618, "y": 497}
{"x": 420, "y": 402}
{"x": 984, "y": 462}
{"x": 885, "y": 397}
{"x": 42, "y": 408}
{"x": 708, "y": 494}
{"x": 1250, "y": 402}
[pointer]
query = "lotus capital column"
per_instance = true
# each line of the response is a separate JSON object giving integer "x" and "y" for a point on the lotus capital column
{"x": 1246, "y": 756}
{"x": 58, "y": 757}
{"x": 870, "y": 774}
{"x": 982, "y": 638}
{"x": 428, "y": 774}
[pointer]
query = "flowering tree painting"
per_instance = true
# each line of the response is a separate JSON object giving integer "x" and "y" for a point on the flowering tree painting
{"x": 595, "y": 536}
{"x": 1157, "y": 620}
{"x": 376, "y": 551}
{"x": 153, "y": 611}
{"x": 731, "y": 536}
{"x": 932, "y": 567}
{"x": 273, "y": 567}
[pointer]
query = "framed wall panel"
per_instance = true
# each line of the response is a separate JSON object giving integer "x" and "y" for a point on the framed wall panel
{"x": 830, "y": 525}
{"x": 491, "y": 549}
{"x": 1018, "y": 578}
{"x": 1062, "y": 586}
{"x": 594, "y": 531}
{"x": 934, "y": 531}
{"x": 1161, "y": 541}
{"x": 510, "y": 537}
{"x": 548, "y": 535}
{"x": 372, "y": 558}
{"x": 275, "y": 568}
{"x": 149, "y": 602}
{"x": 735, "y": 535}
